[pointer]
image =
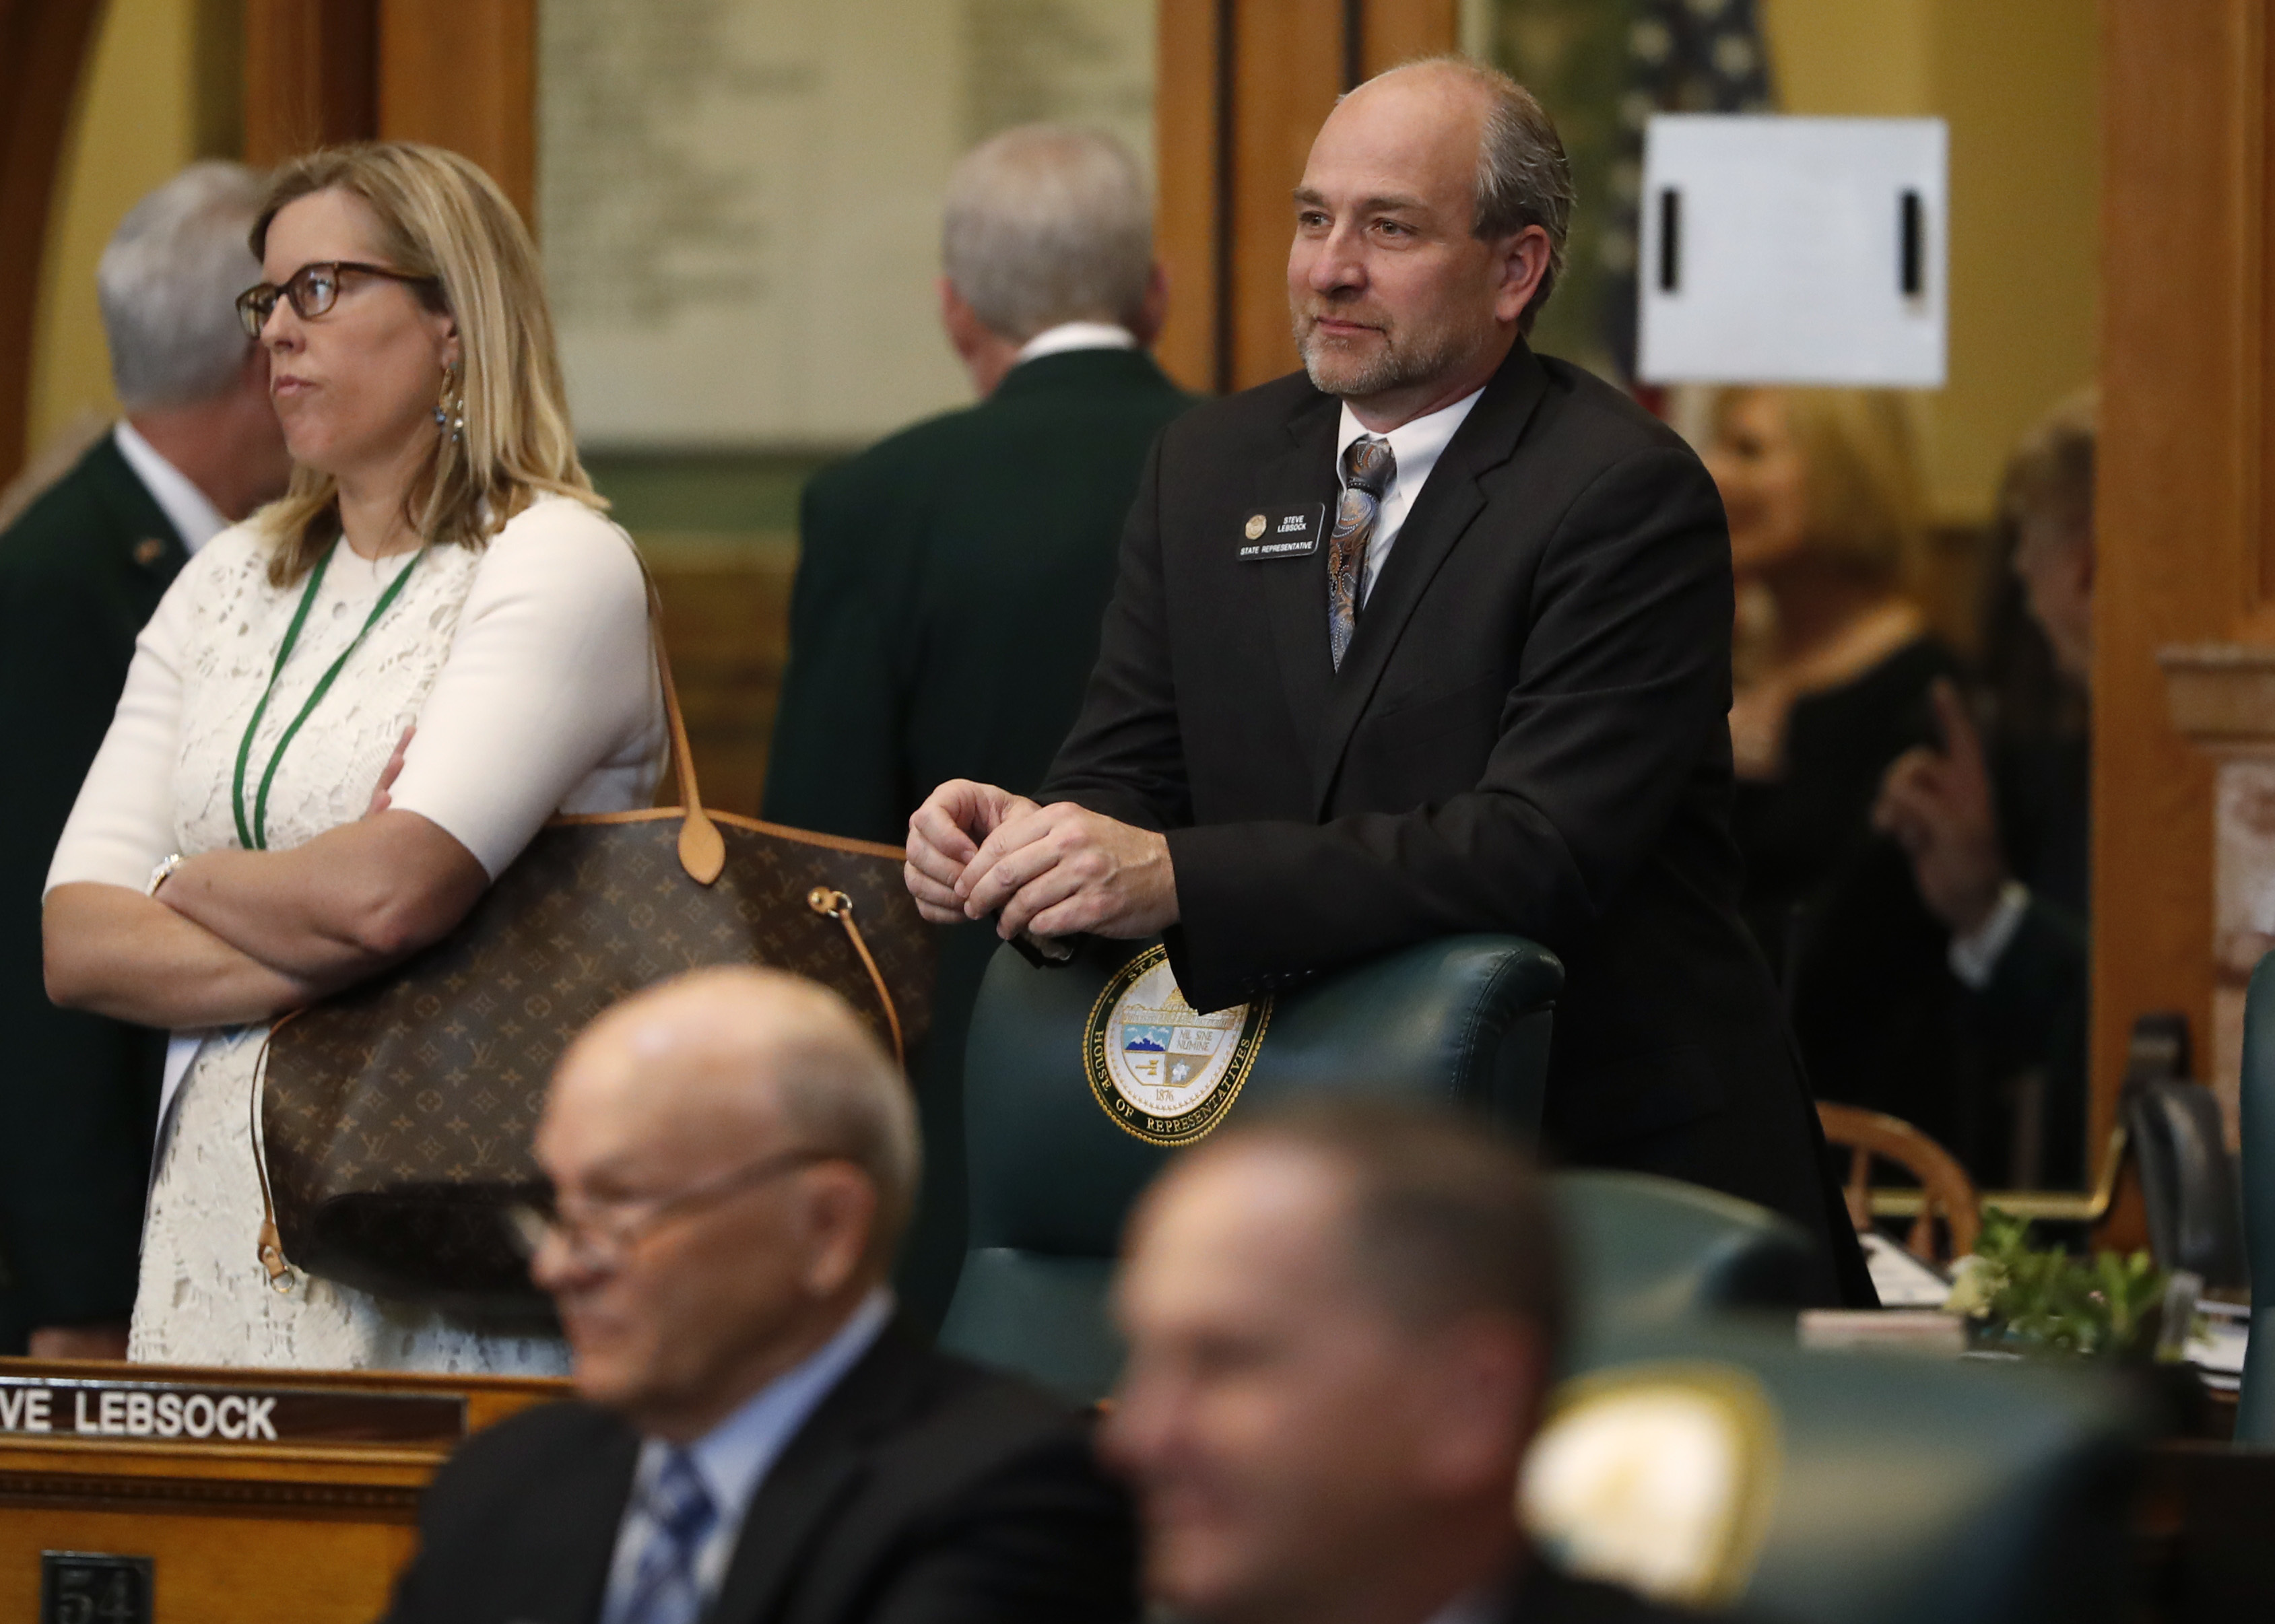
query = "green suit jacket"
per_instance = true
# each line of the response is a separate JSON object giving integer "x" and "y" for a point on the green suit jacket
{"x": 950, "y": 584}
{"x": 80, "y": 570}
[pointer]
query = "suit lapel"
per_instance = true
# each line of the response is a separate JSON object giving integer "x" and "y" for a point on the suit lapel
{"x": 824, "y": 1465}
{"x": 1449, "y": 505}
{"x": 1296, "y": 593}
{"x": 571, "y": 1530}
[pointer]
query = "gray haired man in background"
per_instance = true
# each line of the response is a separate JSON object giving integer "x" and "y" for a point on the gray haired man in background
{"x": 82, "y": 565}
{"x": 952, "y": 576}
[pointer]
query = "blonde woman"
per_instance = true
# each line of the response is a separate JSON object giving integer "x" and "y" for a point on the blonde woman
{"x": 350, "y": 713}
{"x": 1838, "y": 677}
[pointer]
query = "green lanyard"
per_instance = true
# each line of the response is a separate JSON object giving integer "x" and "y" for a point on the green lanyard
{"x": 254, "y": 836}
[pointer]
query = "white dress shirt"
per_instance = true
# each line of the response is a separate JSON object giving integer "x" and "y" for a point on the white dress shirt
{"x": 734, "y": 1456}
{"x": 1415, "y": 447}
{"x": 196, "y": 519}
{"x": 1478, "y": 1606}
{"x": 1077, "y": 335}
{"x": 1974, "y": 957}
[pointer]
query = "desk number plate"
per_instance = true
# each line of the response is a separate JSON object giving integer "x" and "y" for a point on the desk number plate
{"x": 83, "y": 1587}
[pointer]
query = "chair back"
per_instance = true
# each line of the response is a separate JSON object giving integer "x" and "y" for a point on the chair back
{"x": 1732, "y": 1466}
{"x": 1944, "y": 1185}
{"x": 1642, "y": 1250}
{"x": 2188, "y": 1182}
{"x": 1056, "y": 1156}
{"x": 2254, "y": 1415}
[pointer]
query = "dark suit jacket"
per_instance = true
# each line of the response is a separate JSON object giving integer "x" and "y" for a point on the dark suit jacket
{"x": 949, "y": 585}
{"x": 1528, "y": 734}
{"x": 1544, "y": 1596}
{"x": 2026, "y": 1032}
{"x": 923, "y": 1490}
{"x": 80, "y": 570}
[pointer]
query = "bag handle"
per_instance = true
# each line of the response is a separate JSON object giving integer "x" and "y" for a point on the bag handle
{"x": 702, "y": 853}
{"x": 702, "y": 849}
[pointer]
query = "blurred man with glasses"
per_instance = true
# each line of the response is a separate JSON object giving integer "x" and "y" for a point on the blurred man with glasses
{"x": 757, "y": 1437}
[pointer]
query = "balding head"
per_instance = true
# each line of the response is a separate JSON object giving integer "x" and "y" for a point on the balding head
{"x": 762, "y": 1148}
{"x": 716, "y": 1056}
{"x": 1430, "y": 226}
{"x": 1340, "y": 1325}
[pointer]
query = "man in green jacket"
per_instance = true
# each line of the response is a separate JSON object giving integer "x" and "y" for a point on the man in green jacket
{"x": 952, "y": 577}
{"x": 81, "y": 568}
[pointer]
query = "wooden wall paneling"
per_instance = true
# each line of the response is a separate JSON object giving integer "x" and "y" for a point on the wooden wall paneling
{"x": 464, "y": 77}
{"x": 1241, "y": 88}
{"x": 1396, "y": 31}
{"x": 311, "y": 75}
{"x": 43, "y": 44}
{"x": 1288, "y": 69}
{"x": 2179, "y": 496}
{"x": 1186, "y": 152}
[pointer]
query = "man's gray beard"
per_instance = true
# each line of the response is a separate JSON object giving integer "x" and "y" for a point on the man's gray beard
{"x": 1392, "y": 369}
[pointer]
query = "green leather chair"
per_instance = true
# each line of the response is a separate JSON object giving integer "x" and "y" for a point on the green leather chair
{"x": 1903, "y": 1489}
{"x": 1644, "y": 1250}
{"x": 2254, "y": 1415}
{"x": 1463, "y": 1020}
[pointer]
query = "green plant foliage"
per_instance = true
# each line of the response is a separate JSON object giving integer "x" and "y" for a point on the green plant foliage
{"x": 2045, "y": 1298}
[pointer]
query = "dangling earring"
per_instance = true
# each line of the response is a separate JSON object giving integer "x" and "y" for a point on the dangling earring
{"x": 451, "y": 411}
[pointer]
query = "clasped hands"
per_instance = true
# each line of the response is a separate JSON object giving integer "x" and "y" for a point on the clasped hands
{"x": 975, "y": 850}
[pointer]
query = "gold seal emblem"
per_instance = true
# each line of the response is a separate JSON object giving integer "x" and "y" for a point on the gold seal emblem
{"x": 1162, "y": 1070}
{"x": 1255, "y": 526}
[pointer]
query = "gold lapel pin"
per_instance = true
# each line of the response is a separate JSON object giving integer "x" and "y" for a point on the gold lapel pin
{"x": 148, "y": 551}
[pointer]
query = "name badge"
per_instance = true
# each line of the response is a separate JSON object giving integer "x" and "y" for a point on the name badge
{"x": 1283, "y": 532}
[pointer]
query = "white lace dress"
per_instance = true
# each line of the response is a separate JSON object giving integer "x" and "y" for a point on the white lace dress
{"x": 526, "y": 667}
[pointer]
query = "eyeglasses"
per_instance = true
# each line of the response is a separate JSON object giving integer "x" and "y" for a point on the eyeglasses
{"x": 600, "y": 1233}
{"x": 313, "y": 290}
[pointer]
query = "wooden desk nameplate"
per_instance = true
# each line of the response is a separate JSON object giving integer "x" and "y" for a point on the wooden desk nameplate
{"x": 78, "y": 1407}
{"x": 255, "y": 1495}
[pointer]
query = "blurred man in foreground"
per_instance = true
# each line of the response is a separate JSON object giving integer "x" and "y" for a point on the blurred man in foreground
{"x": 951, "y": 578}
{"x": 82, "y": 567}
{"x": 1342, "y": 1327}
{"x": 733, "y": 1158}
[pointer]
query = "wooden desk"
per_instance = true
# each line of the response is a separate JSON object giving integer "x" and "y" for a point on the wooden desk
{"x": 256, "y": 1495}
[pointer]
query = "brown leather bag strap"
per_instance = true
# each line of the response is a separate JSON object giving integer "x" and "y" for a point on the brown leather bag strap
{"x": 838, "y": 906}
{"x": 270, "y": 1246}
{"x": 702, "y": 849}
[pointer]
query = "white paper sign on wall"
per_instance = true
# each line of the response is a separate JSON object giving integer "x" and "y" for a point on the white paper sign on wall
{"x": 1794, "y": 250}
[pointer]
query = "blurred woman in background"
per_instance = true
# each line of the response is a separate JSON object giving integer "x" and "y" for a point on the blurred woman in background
{"x": 1837, "y": 675}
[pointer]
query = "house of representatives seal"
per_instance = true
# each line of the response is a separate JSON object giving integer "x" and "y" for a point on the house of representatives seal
{"x": 1162, "y": 1069}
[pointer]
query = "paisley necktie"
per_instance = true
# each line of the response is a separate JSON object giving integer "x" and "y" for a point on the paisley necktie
{"x": 1368, "y": 468}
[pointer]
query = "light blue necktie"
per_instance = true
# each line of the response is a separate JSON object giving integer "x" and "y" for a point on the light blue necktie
{"x": 680, "y": 1512}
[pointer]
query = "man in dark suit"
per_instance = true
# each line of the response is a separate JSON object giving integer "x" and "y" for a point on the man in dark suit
{"x": 81, "y": 568}
{"x": 1999, "y": 842}
{"x": 1343, "y": 1327}
{"x": 952, "y": 577}
{"x": 733, "y": 1158}
{"x": 1481, "y": 687}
